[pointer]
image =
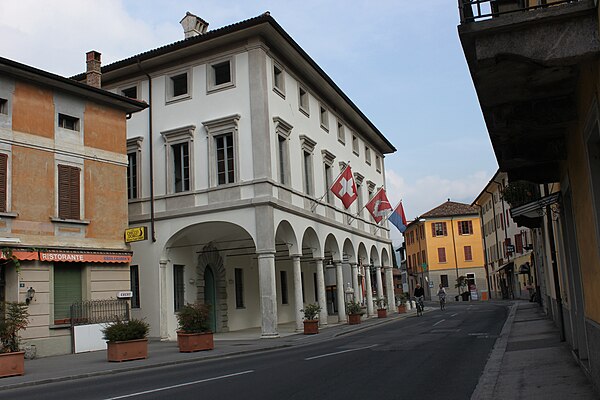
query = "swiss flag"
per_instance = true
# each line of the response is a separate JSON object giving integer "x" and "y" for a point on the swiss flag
{"x": 379, "y": 206}
{"x": 345, "y": 188}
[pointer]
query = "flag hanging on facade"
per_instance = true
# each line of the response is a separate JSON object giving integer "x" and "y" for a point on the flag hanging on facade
{"x": 379, "y": 206}
{"x": 344, "y": 187}
{"x": 398, "y": 218}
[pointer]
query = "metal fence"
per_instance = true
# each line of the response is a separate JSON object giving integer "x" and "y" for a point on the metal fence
{"x": 99, "y": 311}
{"x": 477, "y": 10}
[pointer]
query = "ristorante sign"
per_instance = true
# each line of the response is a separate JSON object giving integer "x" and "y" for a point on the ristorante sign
{"x": 71, "y": 256}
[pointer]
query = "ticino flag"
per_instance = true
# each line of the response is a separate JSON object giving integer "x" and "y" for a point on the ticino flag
{"x": 345, "y": 188}
{"x": 379, "y": 206}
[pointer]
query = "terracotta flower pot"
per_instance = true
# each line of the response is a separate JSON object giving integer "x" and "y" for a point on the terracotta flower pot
{"x": 354, "y": 319}
{"x": 401, "y": 308}
{"x": 190, "y": 342}
{"x": 381, "y": 313}
{"x": 311, "y": 326}
{"x": 12, "y": 363}
{"x": 127, "y": 350}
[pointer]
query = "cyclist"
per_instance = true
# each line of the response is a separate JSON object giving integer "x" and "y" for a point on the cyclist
{"x": 442, "y": 296}
{"x": 419, "y": 294}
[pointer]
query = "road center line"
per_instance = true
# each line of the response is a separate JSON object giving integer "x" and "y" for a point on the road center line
{"x": 439, "y": 322}
{"x": 180, "y": 385}
{"x": 339, "y": 352}
{"x": 454, "y": 315}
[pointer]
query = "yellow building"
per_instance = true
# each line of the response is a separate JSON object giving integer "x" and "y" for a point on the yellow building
{"x": 443, "y": 244}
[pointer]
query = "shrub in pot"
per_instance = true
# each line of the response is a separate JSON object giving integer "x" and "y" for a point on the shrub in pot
{"x": 194, "y": 332}
{"x": 126, "y": 340}
{"x": 311, "y": 318}
{"x": 401, "y": 303}
{"x": 16, "y": 319}
{"x": 381, "y": 302}
{"x": 355, "y": 311}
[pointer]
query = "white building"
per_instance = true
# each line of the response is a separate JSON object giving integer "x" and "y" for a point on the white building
{"x": 229, "y": 170}
{"x": 508, "y": 247}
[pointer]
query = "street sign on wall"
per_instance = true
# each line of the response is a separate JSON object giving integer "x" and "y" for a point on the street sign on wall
{"x": 136, "y": 234}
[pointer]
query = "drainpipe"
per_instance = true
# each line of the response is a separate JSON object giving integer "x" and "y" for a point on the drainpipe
{"x": 554, "y": 265}
{"x": 151, "y": 138}
{"x": 485, "y": 255}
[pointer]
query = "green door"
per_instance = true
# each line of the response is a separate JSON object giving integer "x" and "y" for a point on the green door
{"x": 67, "y": 290}
{"x": 210, "y": 297}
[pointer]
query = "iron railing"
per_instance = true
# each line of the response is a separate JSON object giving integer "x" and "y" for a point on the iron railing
{"x": 99, "y": 311}
{"x": 477, "y": 10}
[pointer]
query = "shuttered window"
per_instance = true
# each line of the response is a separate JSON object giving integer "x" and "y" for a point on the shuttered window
{"x": 178, "y": 287}
{"x": 3, "y": 181}
{"x": 442, "y": 254}
{"x": 134, "y": 278}
{"x": 468, "y": 253}
{"x": 439, "y": 229}
{"x": 68, "y": 192}
{"x": 67, "y": 290}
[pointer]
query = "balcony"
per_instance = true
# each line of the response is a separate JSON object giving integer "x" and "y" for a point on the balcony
{"x": 525, "y": 57}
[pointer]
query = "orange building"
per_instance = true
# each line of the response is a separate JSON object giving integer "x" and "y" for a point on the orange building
{"x": 63, "y": 198}
{"x": 443, "y": 244}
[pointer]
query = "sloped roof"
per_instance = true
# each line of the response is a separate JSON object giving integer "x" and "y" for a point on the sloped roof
{"x": 450, "y": 209}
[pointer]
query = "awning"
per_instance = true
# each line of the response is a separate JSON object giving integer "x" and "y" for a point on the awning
{"x": 530, "y": 214}
{"x": 508, "y": 265}
{"x": 90, "y": 256}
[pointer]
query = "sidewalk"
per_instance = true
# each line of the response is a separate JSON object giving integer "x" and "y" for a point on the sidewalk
{"x": 530, "y": 362}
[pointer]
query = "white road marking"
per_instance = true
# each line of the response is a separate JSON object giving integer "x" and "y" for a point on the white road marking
{"x": 439, "y": 322}
{"x": 339, "y": 352}
{"x": 180, "y": 385}
{"x": 454, "y": 315}
{"x": 478, "y": 334}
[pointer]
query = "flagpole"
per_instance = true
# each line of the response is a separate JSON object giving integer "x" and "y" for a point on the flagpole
{"x": 352, "y": 218}
{"x": 316, "y": 202}
{"x": 388, "y": 217}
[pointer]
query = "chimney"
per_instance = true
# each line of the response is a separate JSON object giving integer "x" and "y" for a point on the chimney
{"x": 193, "y": 25}
{"x": 93, "y": 73}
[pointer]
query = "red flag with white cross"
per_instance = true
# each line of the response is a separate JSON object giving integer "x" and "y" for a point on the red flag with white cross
{"x": 345, "y": 187}
{"x": 379, "y": 206}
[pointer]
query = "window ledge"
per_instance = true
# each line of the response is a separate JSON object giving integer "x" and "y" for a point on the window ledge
{"x": 70, "y": 221}
{"x": 8, "y": 214}
{"x": 218, "y": 88}
{"x": 325, "y": 128}
{"x": 279, "y": 92}
{"x": 304, "y": 111}
{"x": 61, "y": 326}
{"x": 179, "y": 98}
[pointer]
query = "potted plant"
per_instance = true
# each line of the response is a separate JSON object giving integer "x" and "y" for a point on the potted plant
{"x": 401, "y": 303}
{"x": 381, "y": 302}
{"x": 16, "y": 319}
{"x": 126, "y": 340}
{"x": 194, "y": 332}
{"x": 311, "y": 318}
{"x": 355, "y": 311}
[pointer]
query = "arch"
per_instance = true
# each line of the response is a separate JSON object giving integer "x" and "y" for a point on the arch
{"x": 374, "y": 256}
{"x": 209, "y": 258}
{"x": 385, "y": 258}
{"x": 310, "y": 243}
{"x": 332, "y": 248}
{"x": 363, "y": 256}
{"x": 349, "y": 252}
{"x": 285, "y": 234}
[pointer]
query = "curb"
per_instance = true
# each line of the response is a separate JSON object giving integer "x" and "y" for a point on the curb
{"x": 489, "y": 377}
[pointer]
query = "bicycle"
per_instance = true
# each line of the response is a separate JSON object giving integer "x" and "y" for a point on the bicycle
{"x": 442, "y": 303}
{"x": 420, "y": 305}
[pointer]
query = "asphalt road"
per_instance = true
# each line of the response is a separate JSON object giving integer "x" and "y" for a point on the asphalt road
{"x": 437, "y": 356}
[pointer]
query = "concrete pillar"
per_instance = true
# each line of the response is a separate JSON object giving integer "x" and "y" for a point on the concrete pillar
{"x": 298, "y": 293}
{"x": 321, "y": 292}
{"x": 370, "y": 311}
{"x": 354, "y": 267}
{"x": 268, "y": 295}
{"x": 341, "y": 303}
{"x": 164, "y": 306}
{"x": 379, "y": 281}
{"x": 389, "y": 288}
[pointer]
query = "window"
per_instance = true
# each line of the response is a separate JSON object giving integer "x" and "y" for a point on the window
{"x": 316, "y": 287}
{"x": 283, "y": 130}
{"x": 444, "y": 280}
{"x": 308, "y": 146}
{"x": 302, "y": 285}
{"x": 67, "y": 290}
{"x": 131, "y": 92}
{"x": 181, "y": 167}
{"x": 278, "y": 79}
{"x": 465, "y": 227}
{"x": 341, "y": 133}
{"x": 225, "y": 159}
{"x": 68, "y": 122}
{"x": 468, "y": 253}
{"x": 132, "y": 189}
{"x": 470, "y": 280}
{"x": 68, "y": 192}
{"x": 439, "y": 229}
{"x": 3, "y": 106}
{"x": 367, "y": 155}
{"x": 378, "y": 163}
{"x": 355, "y": 144}
{"x": 221, "y": 75}
{"x": 303, "y": 100}
{"x": 358, "y": 180}
{"x": 324, "y": 118}
{"x": 442, "y": 254}
{"x": 178, "y": 86}
{"x": 423, "y": 258}
{"x": 284, "y": 287}
{"x": 239, "y": 288}
{"x": 519, "y": 243}
{"x": 328, "y": 159}
{"x": 3, "y": 182}
{"x": 134, "y": 279}
{"x": 178, "y": 287}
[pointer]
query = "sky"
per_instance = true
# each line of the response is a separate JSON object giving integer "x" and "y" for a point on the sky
{"x": 400, "y": 61}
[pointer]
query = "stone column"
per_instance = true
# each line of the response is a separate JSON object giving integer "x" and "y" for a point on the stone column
{"x": 354, "y": 268}
{"x": 164, "y": 306}
{"x": 389, "y": 287}
{"x": 369, "y": 291}
{"x": 321, "y": 292}
{"x": 379, "y": 281}
{"x": 340, "y": 292}
{"x": 298, "y": 293}
{"x": 268, "y": 294}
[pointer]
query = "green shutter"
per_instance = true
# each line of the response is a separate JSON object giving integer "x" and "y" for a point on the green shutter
{"x": 67, "y": 289}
